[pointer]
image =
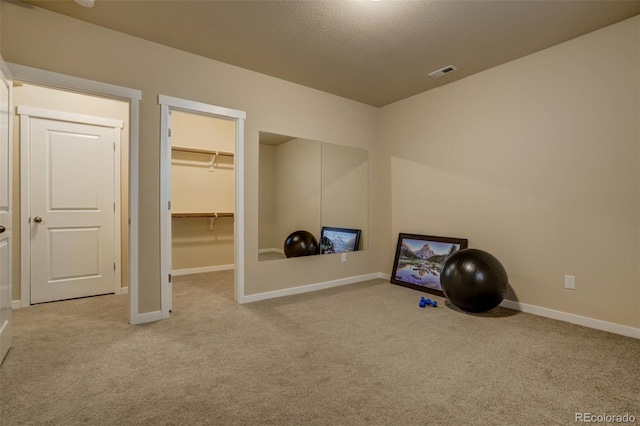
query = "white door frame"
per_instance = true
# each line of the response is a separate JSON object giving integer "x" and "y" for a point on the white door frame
{"x": 168, "y": 104}
{"x": 132, "y": 97}
{"x": 6, "y": 329}
{"x": 26, "y": 114}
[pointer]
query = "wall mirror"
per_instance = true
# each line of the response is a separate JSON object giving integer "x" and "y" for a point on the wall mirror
{"x": 307, "y": 185}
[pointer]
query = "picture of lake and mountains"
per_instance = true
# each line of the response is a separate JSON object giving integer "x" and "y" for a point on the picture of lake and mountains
{"x": 420, "y": 262}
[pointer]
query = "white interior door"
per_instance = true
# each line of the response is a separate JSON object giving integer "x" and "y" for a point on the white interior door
{"x": 5, "y": 220}
{"x": 72, "y": 209}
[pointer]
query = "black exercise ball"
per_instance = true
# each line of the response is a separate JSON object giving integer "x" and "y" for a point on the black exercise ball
{"x": 300, "y": 243}
{"x": 474, "y": 280}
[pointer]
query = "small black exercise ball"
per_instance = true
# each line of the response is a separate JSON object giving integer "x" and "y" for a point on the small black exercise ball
{"x": 300, "y": 243}
{"x": 474, "y": 280}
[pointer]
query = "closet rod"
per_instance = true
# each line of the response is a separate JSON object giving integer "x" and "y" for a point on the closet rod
{"x": 212, "y": 214}
{"x": 202, "y": 151}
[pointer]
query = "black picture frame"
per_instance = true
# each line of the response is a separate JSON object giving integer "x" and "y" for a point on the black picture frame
{"x": 339, "y": 240}
{"x": 419, "y": 259}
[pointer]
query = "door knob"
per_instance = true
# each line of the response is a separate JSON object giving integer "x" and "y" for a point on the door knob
{"x": 37, "y": 219}
{"x": 2, "y": 229}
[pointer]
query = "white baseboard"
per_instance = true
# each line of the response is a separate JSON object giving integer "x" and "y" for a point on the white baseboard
{"x": 271, "y": 250}
{"x": 146, "y": 317}
{"x": 178, "y": 272}
{"x": 124, "y": 290}
{"x": 563, "y": 316}
{"x": 307, "y": 288}
{"x": 610, "y": 327}
{"x": 573, "y": 319}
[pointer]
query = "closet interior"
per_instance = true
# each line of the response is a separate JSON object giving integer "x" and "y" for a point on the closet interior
{"x": 202, "y": 193}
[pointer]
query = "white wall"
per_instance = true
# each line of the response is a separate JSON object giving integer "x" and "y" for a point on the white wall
{"x": 535, "y": 161}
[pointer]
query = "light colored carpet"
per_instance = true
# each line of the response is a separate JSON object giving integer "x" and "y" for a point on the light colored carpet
{"x": 363, "y": 354}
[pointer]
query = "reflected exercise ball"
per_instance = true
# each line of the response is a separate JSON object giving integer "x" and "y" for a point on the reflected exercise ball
{"x": 474, "y": 280}
{"x": 300, "y": 243}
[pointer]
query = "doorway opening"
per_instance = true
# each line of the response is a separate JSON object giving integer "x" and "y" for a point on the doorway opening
{"x": 63, "y": 82}
{"x": 71, "y": 197}
{"x": 202, "y": 192}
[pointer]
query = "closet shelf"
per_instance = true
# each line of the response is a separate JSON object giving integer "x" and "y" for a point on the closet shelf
{"x": 212, "y": 214}
{"x": 202, "y": 151}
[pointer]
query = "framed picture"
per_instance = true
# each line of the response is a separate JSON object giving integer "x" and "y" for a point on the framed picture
{"x": 339, "y": 240}
{"x": 419, "y": 260}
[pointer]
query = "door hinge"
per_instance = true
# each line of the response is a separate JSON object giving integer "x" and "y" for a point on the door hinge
{"x": 114, "y": 266}
{"x": 114, "y": 147}
{"x": 114, "y": 206}
{"x": 169, "y": 132}
{"x": 169, "y": 205}
{"x": 169, "y": 277}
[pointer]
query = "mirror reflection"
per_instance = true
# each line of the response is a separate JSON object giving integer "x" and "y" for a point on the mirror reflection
{"x": 307, "y": 185}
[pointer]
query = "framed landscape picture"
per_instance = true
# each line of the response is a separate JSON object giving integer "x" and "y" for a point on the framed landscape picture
{"x": 339, "y": 240}
{"x": 419, "y": 260}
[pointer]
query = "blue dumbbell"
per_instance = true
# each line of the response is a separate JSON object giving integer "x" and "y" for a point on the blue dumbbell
{"x": 424, "y": 302}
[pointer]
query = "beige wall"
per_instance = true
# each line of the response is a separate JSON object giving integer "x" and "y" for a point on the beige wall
{"x": 266, "y": 203}
{"x": 535, "y": 161}
{"x": 306, "y": 185}
{"x": 194, "y": 187}
{"x": 202, "y": 131}
{"x": 194, "y": 245}
{"x": 297, "y": 188}
{"x": 39, "y": 97}
{"x": 344, "y": 197}
{"x": 197, "y": 189}
{"x": 46, "y": 40}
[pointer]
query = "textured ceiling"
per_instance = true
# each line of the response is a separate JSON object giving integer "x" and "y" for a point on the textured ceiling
{"x": 375, "y": 52}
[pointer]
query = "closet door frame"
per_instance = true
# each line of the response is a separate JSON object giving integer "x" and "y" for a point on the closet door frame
{"x": 167, "y": 105}
{"x": 133, "y": 97}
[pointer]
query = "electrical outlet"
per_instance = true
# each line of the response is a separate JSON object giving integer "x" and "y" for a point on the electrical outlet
{"x": 344, "y": 257}
{"x": 570, "y": 282}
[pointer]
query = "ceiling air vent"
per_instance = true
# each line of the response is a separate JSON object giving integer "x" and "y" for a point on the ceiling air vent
{"x": 442, "y": 71}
